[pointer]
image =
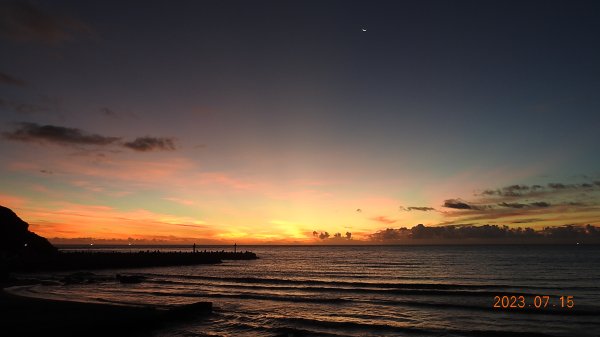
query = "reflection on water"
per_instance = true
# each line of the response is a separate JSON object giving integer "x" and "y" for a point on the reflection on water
{"x": 369, "y": 291}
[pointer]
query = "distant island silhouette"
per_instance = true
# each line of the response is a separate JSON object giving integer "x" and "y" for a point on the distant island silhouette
{"x": 23, "y": 250}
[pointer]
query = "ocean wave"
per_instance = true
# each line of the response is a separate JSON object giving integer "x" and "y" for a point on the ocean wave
{"x": 480, "y": 288}
{"x": 358, "y": 290}
{"x": 420, "y": 302}
{"x": 254, "y": 296}
{"x": 373, "y": 328}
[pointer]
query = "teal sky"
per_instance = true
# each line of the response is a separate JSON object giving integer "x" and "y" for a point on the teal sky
{"x": 268, "y": 120}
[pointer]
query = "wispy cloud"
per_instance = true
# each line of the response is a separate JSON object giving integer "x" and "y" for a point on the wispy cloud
{"x": 44, "y": 104}
{"x": 11, "y": 80}
{"x": 11, "y": 201}
{"x": 107, "y": 222}
{"x": 24, "y": 21}
{"x": 144, "y": 144}
{"x": 109, "y": 112}
{"x": 114, "y": 114}
{"x": 180, "y": 201}
{"x": 384, "y": 220}
{"x": 134, "y": 172}
{"x": 530, "y": 220}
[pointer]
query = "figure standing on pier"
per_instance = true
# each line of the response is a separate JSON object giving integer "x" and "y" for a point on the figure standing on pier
{"x": 194, "y": 248}
{"x": 235, "y": 248}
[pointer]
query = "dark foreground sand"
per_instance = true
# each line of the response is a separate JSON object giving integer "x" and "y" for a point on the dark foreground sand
{"x": 27, "y": 316}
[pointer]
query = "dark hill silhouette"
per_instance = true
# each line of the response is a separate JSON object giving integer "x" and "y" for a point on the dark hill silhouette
{"x": 16, "y": 239}
{"x": 17, "y": 243}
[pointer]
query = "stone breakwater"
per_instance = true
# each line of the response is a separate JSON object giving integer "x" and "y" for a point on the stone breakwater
{"x": 112, "y": 260}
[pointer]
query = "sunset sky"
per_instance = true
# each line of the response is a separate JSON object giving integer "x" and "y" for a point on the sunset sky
{"x": 266, "y": 121}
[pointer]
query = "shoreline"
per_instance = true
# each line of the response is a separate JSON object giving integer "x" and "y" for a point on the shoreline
{"x": 35, "y": 316}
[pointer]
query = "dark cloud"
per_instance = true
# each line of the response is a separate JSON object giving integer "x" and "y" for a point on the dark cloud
{"x": 24, "y": 21}
{"x": 541, "y": 204}
{"x": 512, "y": 190}
{"x": 337, "y": 237}
{"x": 31, "y": 132}
{"x": 458, "y": 204}
{"x": 535, "y": 190}
{"x": 151, "y": 144}
{"x": 530, "y": 220}
{"x": 572, "y": 232}
{"x": 512, "y": 205}
{"x": 458, "y": 233}
{"x": 384, "y": 220}
{"x": 418, "y": 208}
{"x": 520, "y": 205}
{"x": 525, "y": 201}
{"x": 390, "y": 235}
{"x": 515, "y": 190}
{"x": 490, "y": 192}
{"x": 557, "y": 186}
{"x": 7, "y": 79}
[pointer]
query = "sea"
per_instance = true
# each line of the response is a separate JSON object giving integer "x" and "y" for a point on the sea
{"x": 335, "y": 291}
